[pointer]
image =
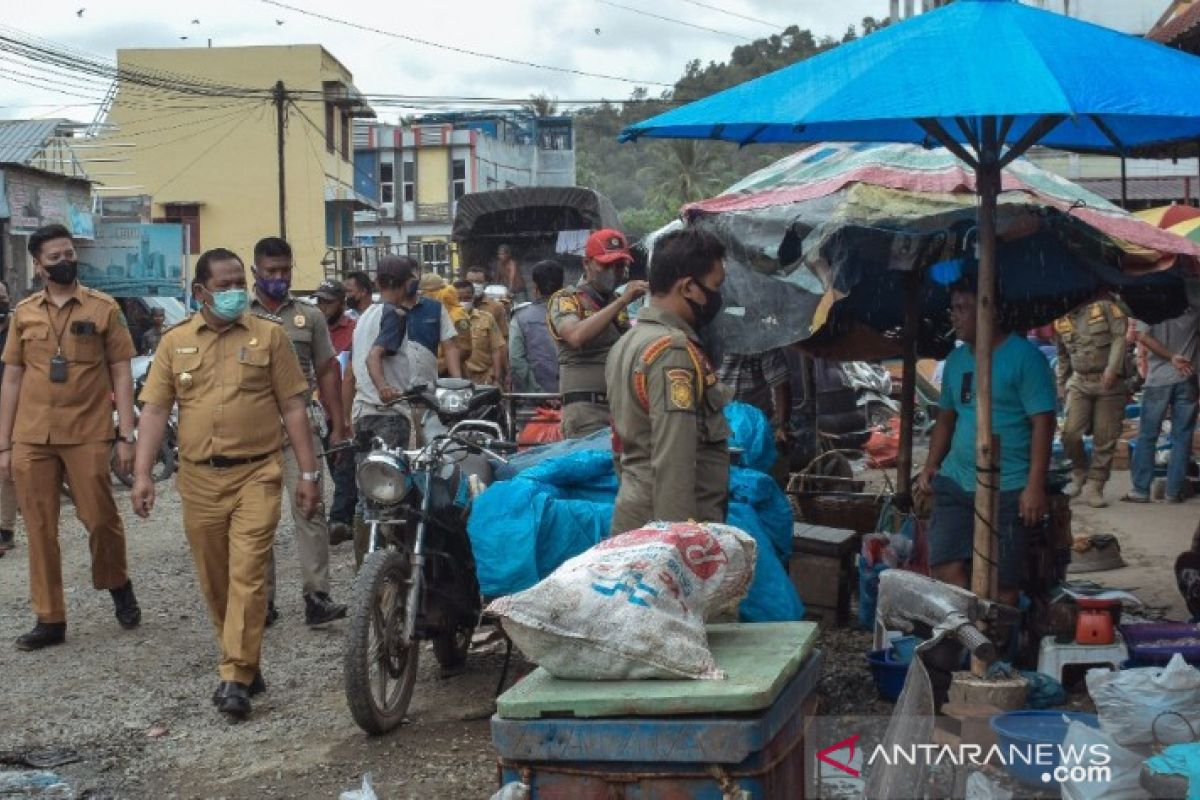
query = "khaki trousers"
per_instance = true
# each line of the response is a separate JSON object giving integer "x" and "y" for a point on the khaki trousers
{"x": 8, "y": 505}
{"x": 312, "y": 535}
{"x": 1090, "y": 409}
{"x": 229, "y": 516}
{"x": 38, "y": 471}
{"x": 581, "y": 419}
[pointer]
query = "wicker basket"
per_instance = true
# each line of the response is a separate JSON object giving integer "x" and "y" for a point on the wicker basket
{"x": 853, "y": 510}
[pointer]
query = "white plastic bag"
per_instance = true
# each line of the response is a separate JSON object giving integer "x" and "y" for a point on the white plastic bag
{"x": 512, "y": 791}
{"x": 1098, "y": 749}
{"x": 633, "y": 606}
{"x": 367, "y": 792}
{"x": 980, "y": 788}
{"x": 1137, "y": 705}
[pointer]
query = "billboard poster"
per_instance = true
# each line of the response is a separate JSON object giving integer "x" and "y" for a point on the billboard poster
{"x": 132, "y": 259}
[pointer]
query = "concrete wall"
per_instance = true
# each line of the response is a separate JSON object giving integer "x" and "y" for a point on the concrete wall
{"x": 221, "y": 152}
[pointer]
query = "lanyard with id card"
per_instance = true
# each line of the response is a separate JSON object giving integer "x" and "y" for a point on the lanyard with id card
{"x": 58, "y": 362}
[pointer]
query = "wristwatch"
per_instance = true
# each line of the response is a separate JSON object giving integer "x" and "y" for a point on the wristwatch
{"x": 310, "y": 476}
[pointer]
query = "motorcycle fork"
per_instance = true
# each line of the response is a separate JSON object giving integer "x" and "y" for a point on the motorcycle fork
{"x": 416, "y": 583}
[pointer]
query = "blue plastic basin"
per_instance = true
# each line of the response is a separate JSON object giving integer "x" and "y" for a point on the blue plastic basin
{"x": 1025, "y": 729}
{"x": 888, "y": 673}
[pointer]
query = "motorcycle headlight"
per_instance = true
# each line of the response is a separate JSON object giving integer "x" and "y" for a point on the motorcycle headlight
{"x": 453, "y": 401}
{"x": 384, "y": 478}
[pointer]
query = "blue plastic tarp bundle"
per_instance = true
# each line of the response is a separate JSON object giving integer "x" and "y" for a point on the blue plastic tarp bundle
{"x": 557, "y": 502}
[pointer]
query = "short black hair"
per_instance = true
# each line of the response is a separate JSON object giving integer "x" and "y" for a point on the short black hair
{"x": 47, "y": 233}
{"x": 966, "y": 284}
{"x": 363, "y": 280}
{"x": 464, "y": 284}
{"x": 476, "y": 268}
{"x": 395, "y": 271}
{"x": 687, "y": 253}
{"x": 204, "y": 263}
{"x": 158, "y": 311}
{"x": 272, "y": 246}
{"x": 547, "y": 277}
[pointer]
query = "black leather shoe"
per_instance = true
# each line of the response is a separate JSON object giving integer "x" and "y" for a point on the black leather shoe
{"x": 44, "y": 634}
{"x": 234, "y": 700}
{"x": 257, "y": 687}
{"x": 272, "y": 614}
{"x": 319, "y": 609}
{"x": 129, "y": 615}
{"x": 340, "y": 532}
{"x": 7, "y": 541}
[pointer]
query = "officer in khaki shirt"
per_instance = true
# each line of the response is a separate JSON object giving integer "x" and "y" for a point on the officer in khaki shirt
{"x": 485, "y": 348}
{"x": 1091, "y": 373}
{"x": 586, "y": 320}
{"x": 233, "y": 374}
{"x": 67, "y": 354}
{"x": 308, "y": 331}
{"x": 667, "y": 404}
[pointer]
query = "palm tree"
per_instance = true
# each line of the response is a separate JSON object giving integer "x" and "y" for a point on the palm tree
{"x": 686, "y": 171}
{"x": 541, "y": 105}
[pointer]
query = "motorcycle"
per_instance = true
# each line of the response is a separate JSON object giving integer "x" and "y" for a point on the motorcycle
{"x": 418, "y": 582}
{"x": 872, "y": 385}
{"x": 168, "y": 453}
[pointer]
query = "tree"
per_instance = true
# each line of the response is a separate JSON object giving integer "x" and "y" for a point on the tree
{"x": 541, "y": 105}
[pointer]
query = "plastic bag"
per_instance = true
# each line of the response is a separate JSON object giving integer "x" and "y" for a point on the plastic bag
{"x": 1099, "y": 749}
{"x": 1149, "y": 705}
{"x": 367, "y": 792}
{"x": 512, "y": 791}
{"x": 634, "y": 606}
{"x": 980, "y": 788}
{"x": 544, "y": 428}
{"x": 752, "y": 434}
{"x": 883, "y": 448}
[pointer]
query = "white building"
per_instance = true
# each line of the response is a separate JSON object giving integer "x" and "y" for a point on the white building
{"x": 421, "y": 170}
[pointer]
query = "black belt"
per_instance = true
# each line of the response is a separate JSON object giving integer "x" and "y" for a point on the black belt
{"x": 221, "y": 462}
{"x": 584, "y": 397}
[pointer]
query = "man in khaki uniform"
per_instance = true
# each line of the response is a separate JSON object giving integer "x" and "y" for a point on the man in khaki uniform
{"x": 478, "y": 280}
{"x": 586, "y": 320}
{"x": 1091, "y": 372}
{"x": 484, "y": 361}
{"x": 233, "y": 374}
{"x": 67, "y": 354}
{"x": 308, "y": 331}
{"x": 667, "y": 404}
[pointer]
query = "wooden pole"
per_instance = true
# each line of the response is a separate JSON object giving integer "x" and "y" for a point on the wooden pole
{"x": 986, "y": 480}
{"x": 908, "y": 389}
{"x": 280, "y": 96}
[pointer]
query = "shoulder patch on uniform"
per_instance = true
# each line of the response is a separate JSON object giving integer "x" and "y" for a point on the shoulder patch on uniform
{"x": 462, "y": 324}
{"x": 681, "y": 391}
{"x": 1116, "y": 311}
{"x": 567, "y": 303}
{"x": 1095, "y": 311}
{"x": 268, "y": 317}
{"x": 1062, "y": 325}
{"x": 656, "y": 349}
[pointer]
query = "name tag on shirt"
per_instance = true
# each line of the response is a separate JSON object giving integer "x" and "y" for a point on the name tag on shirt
{"x": 187, "y": 351}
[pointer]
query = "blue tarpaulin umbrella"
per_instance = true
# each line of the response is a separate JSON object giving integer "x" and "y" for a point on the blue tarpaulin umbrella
{"x": 987, "y": 79}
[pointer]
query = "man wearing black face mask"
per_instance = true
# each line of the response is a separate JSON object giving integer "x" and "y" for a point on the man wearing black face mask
{"x": 667, "y": 404}
{"x": 586, "y": 320}
{"x": 8, "y": 489}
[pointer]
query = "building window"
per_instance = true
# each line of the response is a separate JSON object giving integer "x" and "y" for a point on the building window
{"x": 188, "y": 215}
{"x": 410, "y": 178}
{"x": 433, "y": 253}
{"x": 387, "y": 182}
{"x": 458, "y": 177}
{"x": 345, "y": 136}
{"x": 330, "y": 125}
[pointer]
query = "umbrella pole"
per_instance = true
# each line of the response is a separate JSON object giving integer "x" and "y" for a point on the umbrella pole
{"x": 986, "y": 476}
{"x": 908, "y": 388}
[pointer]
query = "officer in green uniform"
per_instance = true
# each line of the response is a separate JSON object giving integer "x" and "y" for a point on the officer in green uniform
{"x": 1091, "y": 372}
{"x": 667, "y": 404}
{"x": 586, "y": 320}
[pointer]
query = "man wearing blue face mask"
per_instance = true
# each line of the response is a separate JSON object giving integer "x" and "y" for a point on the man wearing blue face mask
{"x": 308, "y": 331}
{"x": 231, "y": 373}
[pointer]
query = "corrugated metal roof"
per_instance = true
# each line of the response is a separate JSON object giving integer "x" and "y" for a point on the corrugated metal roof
{"x": 21, "y": 140}
{"x": 1178, "y": 27}
{"x": 1143, "y": 189}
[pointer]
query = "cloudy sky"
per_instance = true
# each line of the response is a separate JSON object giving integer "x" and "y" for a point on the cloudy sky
{"x": 619, "y": 38}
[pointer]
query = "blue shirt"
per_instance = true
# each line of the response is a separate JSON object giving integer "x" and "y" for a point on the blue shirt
{"x": 1022, "y": 386}
{"x": 425, "y": 324}
{"x": 391, "y": 330}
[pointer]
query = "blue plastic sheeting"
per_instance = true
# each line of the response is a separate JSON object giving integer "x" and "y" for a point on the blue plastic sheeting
{"x": 560, "y": 502}
{"x": 752, "y": 433}
{"x": 1007, "y": 59}
{"x": 1180, "y": 759}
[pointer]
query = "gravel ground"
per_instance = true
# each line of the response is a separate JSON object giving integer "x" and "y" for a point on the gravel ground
{"x": 133, "y": 707}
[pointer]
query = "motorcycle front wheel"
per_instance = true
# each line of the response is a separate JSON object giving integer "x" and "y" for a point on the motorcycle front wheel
{"x": 380, "y": 669}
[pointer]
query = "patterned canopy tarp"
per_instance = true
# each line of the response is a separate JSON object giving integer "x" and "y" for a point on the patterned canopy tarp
{"x": 819, "y": 244}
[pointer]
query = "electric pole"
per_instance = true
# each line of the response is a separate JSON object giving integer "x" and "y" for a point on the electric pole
{"x": 281, "y": 98}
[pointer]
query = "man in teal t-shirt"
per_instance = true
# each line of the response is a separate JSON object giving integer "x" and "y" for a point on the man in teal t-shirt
{"x": 1023, "y": 402}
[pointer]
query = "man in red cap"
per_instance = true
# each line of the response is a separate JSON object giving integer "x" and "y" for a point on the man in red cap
{"x": 586, "y": 320}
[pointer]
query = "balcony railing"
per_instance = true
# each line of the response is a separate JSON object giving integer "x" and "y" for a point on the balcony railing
{"x": 340, "y": 261}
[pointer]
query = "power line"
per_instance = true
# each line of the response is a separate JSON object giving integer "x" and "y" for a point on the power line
{"x": 652, "y": 15}
{"x": 203, "y": 152}
{"x": 460, "y": 50}
{"x": 719, "y": 10}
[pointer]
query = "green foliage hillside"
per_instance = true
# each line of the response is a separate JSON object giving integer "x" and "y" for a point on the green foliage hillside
{"x": 648, "y": 181}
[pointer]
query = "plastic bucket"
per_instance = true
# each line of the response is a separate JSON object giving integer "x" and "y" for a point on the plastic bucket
{"x": 1020, "y": 732}
{"x": 888, "y": 673}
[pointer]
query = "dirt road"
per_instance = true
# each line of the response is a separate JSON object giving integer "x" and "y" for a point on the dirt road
{"x": 134, "y": 706}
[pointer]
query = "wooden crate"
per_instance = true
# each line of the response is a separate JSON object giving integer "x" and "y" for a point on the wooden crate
{"x": 822, "y": 570}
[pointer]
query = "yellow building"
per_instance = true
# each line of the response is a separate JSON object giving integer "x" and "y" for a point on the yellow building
{"x": 197, "y": 130}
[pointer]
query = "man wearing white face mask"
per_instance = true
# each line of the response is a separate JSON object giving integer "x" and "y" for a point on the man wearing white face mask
{"x": 232, "y": 373}
{"x": 586, "y": 320}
